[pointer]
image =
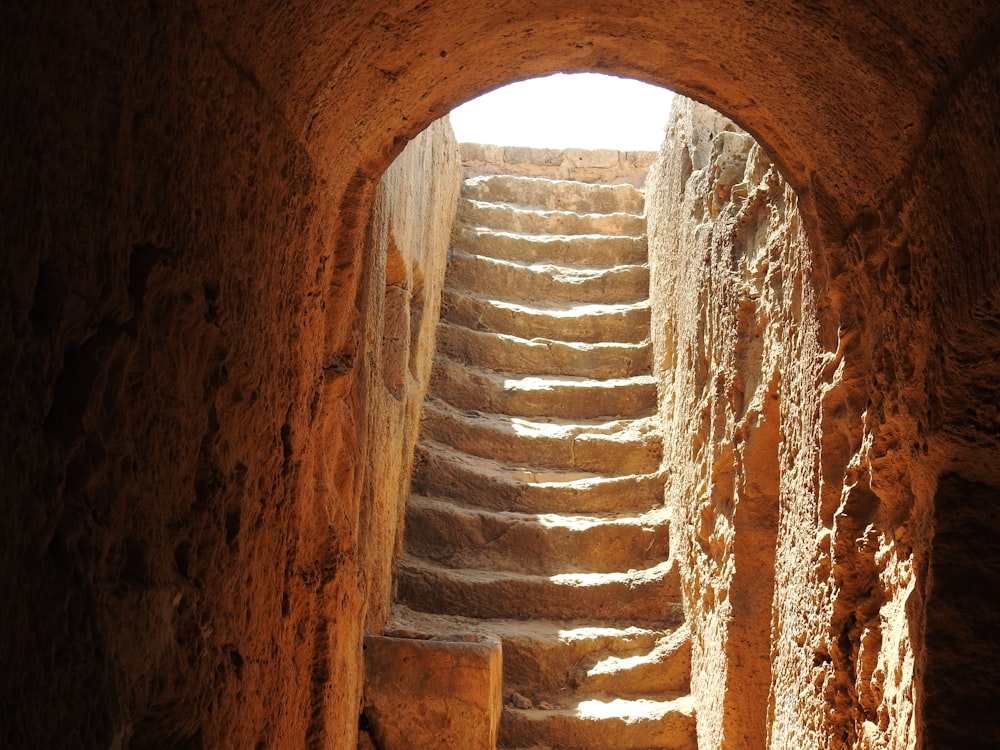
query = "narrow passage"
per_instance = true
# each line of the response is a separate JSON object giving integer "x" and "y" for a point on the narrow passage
{"x": 536, "y": 511}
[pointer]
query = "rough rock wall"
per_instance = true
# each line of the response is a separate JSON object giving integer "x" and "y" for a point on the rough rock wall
{"x": 170, "y": 169}
{"x": 830, "y": 419}
{"x": 408, "y": 246}
{"x": 914, "y": 294}
{"x": 734, "y": 336}
{"x": 183, "y": 400}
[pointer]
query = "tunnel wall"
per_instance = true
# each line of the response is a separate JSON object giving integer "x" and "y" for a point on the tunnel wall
{"x": 812, "y": 397}
{"x": 187, "y": 193}
{"x": 736, "y": 352}
{"x": 192, "y": 378}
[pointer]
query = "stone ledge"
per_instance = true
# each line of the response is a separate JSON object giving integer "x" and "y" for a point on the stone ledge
{"x": 441, "y": 692}
{"x": 599, "y": 165}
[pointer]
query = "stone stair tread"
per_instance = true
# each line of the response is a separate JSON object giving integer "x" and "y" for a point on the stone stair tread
{"x": 576, "y": 521}
{"x": 513, "y": 280}
{"x": 539, "y": 543}
{"x": 630, "y": 446}
{"x": 521, "y": 381}
{"x": 546, "y": 191}
{"x": 561, "y": 427}
{"x": 622, "y": 445}
{"x": 544, "y": 356}
{"x": 591, "y": 707}
{"x": 445, "y": 472}
{"x": 528, "y": 474}
{"x": 571, "y": 580}
{"x": 557, "y": 308}
{"x": 405, "y": 621}
{"x": 664, "y": 668}
{"x": 647, "y": 595}
{"x": 570, "y": 250}
{"x": 528, "y": 209}
{"x": 559, "y": 270}
{"x": 594, "y": 724}
{"x": 627, "y": 322}
{"x": 563, "y": 396}
{"x": 477, "y": 230}
{"x": 541, "y": 656}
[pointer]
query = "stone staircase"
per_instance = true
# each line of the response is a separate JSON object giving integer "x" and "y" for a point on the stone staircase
{"x": 536, "y": 512}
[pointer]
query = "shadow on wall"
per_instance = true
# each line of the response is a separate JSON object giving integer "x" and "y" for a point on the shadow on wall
{"x": 963, "y": 619}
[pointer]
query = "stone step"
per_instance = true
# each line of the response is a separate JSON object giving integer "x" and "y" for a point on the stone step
{"x": 482, "y": 276}
{"x": 662, "y": 669}
{"x": 506, "y": 353}
{"x": 440, "y": 471}
{"x": 582, "y": 250}
{"x": 468, "y": 387}
{"x": 624, "y": 446}
{"x": 541, "y": 658}
{"x": 569, "y": 195}
{"x": 569, "y": 322}
{"x": 651, "y": 595}
{"x": 595, "y": 724}
{"x": 510, "y": 217}
{"x": 539, "y": 544}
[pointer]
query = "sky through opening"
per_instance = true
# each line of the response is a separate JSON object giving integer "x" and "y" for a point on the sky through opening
{"x": 567, "y": 110}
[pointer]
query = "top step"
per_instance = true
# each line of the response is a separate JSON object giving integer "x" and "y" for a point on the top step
{"x": 606, "y": 166}
{"x": 549, "y": 194}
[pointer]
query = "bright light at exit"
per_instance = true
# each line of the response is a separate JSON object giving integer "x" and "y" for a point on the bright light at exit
{"x": 579, "y": 110}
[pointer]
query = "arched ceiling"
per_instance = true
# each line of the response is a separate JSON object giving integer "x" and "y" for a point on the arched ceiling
{"x": 841, "y": 94}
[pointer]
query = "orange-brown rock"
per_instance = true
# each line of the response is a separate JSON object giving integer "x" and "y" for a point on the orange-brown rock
{"x": 185, "y": 429}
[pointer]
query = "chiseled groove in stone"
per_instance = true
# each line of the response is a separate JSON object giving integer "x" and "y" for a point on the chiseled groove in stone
{"x": 545, "y": 193}
{"x": 482, "y": 276}
{"x": 649, "y": 595}
{"x": 468, "y": 387}
{"x": 482, "y": 483}
{"x": 506, "y": 353}
{"x": 511, "y": 217}
{"x": 621, "y": 445}
{"x": 583, "y": 250}
{"x": 463, "y": 537}
{"x": 627, "y": 322}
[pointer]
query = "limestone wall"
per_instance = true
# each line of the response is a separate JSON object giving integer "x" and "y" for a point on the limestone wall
{"x": 821, "y": 463}
{"x": 189, "y": 373}
{"x": 408, "y": 245}
{"x": 735, "y": 345}
{"x": 187, "y": 191}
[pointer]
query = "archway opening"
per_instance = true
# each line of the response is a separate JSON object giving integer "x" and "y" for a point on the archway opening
{"x": 500, "y": 537}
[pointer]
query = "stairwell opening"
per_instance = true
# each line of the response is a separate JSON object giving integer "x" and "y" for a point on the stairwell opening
{"x": 537, "y": 512}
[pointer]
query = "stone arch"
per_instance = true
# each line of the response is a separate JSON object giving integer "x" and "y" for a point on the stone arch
{"x": 186, "y": 187}
{"x": 829, "y": 94}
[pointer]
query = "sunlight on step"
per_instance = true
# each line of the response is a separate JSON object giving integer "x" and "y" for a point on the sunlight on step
{"x": 576, "y": 523}
{"x": 594, "y": 632}
{"x": 627, "y": 710}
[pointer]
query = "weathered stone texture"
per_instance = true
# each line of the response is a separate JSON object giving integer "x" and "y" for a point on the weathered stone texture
{"x": 186, "y": 193}
{"x": 408, "y": 241}
{"x": 603, "y": 165}
{"x": 734, "y": 336}
{"x": 433, "y": 693}
{"x": 813, "y": 395}
{"x": 182, "y": 400}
